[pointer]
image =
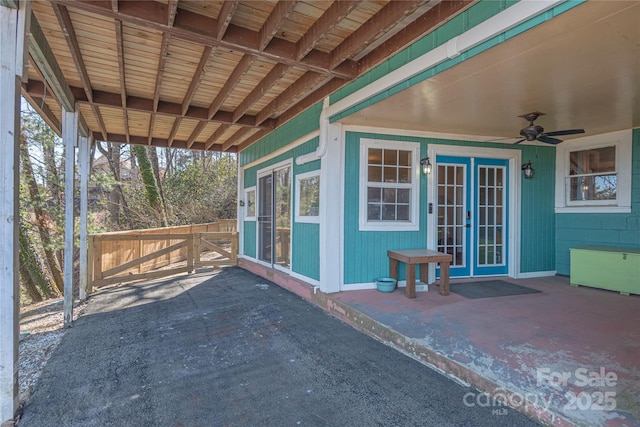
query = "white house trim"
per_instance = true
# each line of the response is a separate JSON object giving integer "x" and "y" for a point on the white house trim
{"x": 514, "y": 158}
{"x": 308, "y": 137}
{"x": 622, "y": 141}
{"x": 305, "y": 218}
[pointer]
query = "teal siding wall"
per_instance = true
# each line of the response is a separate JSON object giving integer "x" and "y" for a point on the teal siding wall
{"x": 473, "y": 16}
{"x": 611, "y": 229}
{"x": 249, "y": 238}
{"x": 305, "y": 240}
{"x": 365, "y": 256}
{"x": 299, "y": 126}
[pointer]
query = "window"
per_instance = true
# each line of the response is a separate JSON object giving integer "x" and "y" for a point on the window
{"x": 594, "y": 174}
{"x": 308, "y": 197}
{"x": 250, "y": 204}
{"x": 389, "y": 185}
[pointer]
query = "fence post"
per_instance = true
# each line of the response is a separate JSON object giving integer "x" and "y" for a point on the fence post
{"x": 97, "y": 260}
{"x": 190, "y": 252}
{"x": 234, "y": 248}
{"x": 197, "y": 249}
{"x": 90, "y": 264}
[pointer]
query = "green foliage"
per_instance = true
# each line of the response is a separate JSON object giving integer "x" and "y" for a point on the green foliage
{"x": 148, "y": 178}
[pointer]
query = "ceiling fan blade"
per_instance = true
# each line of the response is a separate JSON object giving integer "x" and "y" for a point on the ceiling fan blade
{"x": 518, "y": 142}
{"x": 564, "y": 132}
{"x": 548, "y": 140}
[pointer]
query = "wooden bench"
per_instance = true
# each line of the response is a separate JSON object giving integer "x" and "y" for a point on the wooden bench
{"x": 421, "y": 257}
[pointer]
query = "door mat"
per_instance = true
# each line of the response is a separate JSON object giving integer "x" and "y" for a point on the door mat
{"x": 490, "y": 289}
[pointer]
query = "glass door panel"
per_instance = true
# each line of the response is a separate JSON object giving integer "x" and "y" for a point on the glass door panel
{"x": 282, "y": 178}
{"x": 265, "y": 215}
{"x": 491, "y": 202}
{"x": 452, "y": 209}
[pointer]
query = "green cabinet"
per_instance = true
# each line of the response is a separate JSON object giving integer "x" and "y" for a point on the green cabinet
{"x": 616, "y": 269}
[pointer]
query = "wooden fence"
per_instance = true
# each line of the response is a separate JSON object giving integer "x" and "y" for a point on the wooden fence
{"x": 128, "y": 256}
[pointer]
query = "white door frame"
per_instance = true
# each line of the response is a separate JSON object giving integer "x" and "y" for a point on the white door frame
{"x": 515, "y": 159}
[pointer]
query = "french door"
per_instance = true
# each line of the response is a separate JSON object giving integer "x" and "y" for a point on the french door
{"x": 274, "y": 217}
{"x": 472, "y": 214}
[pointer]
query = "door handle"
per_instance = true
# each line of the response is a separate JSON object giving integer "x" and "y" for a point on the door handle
{"x": 469, "y": 215}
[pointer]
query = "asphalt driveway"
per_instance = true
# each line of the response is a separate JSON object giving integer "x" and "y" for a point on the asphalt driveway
{"x": 231, "y": 349}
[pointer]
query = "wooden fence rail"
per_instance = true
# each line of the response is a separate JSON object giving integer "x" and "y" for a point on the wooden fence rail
{"x": 150, "y": 254}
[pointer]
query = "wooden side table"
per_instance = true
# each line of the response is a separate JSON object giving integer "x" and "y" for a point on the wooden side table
{"x": 421, "y": 257}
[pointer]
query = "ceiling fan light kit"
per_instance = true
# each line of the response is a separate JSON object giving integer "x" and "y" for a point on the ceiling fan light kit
{"x": 535, "y": 132}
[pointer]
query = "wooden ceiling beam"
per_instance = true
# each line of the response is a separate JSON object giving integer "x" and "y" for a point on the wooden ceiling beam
{"x": 196, "y": 132}
{"x": 64, "y": 20}
{"x": 174, "y": 130}
{"x": 240, "y": 70}
{"x": 216, "y": 135}
{"x": 197, "y": 78}
{"x": 329, "y": 19}
{"x": 123, "y": 84}
{"x": 224, "y": 17}
{"x": 114, "y": 6}
{"x": 114, "y": 100}
{"x": 235, "y": 138}
{"x": 252, "y": 139}
{"x": 380, "y": 23}
{"x": 202, "y": 29}
{"x": 162, "y": 60}
{"x": 161, "y": 142}
{"x": 291, "y": 95}
{"x": 258, "y": 92}
{"x": 172, "y": 10}
{"x": 274, "y": 21}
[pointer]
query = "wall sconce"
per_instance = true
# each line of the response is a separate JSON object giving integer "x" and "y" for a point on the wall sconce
{"x": 528, "y": 170}
{"x": 585, "y": 186}
{"x": 426, "y": 166}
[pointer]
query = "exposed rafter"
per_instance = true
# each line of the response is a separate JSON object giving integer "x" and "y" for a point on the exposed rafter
{"x": 197, "y": 78}
{"x": 201, "y": 29}
{"x": 174, "y": 131}
{"x": 123, "y": 84}
{"x": 274, "y": 22}
{"x": 238, "y": 136}
{"x": 196, "y": 132}
{"x": 224, "y": 18}
{"x": 70, "y": 35}
{"x": 258, "y": 92}
{"x": 239, "y": 71}
{"x": 381, "y": 22}
{"x": 162, "y": 142}
{"x": 329, "y": 19}
{"x": 216, "y": 135}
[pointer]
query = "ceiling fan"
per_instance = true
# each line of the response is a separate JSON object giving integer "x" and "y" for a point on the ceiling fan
{"x": 536, "y": 132}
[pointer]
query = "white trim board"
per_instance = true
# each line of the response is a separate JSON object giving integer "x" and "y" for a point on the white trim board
{"x": 302, "y": 140}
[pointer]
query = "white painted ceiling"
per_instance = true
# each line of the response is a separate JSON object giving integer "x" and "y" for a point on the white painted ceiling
{"x": 582, "y": 69}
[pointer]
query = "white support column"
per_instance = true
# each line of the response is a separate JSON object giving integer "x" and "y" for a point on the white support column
{"x": 12, "y": 39}
{"x": 70, "y": 140}
{"x": 331, "y": 210}
{"x": 83, "y": 169}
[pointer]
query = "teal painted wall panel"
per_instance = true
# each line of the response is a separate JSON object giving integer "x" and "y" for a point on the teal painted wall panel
{"x": 249, "y": 238}
{"x": 606, "y": 229}
{"x": 299, "y": 126}
{"x": 305, "y": 244}
{"x": 305, "y": 249}
{"x": 365, "y": 256}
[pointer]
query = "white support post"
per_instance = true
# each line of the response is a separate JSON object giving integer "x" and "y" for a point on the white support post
{"x": 12, "y": 39}
{"x": 331, "y": 210}
{"x": 83, "y": 169}
{"x": 70, "y": 140}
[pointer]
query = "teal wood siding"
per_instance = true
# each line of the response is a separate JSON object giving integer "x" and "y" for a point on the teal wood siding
{"x": 299, "y": 126}
{"x": 305, "y": 249}
{"x": 365, "y": 252}
{"x": 249, "y": 238}
{"x": 606, "y": 229}
{"x": 473, "y": 16}
{"x": 305, "y": 246}
{"x": 537, "y": 228}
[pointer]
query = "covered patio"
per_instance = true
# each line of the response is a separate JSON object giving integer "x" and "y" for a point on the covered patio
{"x": 552, "y": 354}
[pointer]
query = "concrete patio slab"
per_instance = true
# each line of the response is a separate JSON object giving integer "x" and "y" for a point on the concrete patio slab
{"x": 232, "y": 349}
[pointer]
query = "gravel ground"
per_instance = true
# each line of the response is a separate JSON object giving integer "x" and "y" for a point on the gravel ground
{"x": 41, "y": 329}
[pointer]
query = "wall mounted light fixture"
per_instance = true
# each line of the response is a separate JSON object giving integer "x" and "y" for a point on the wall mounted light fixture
{"x": 528, "y": 170}
{"x": 426, "y": 166}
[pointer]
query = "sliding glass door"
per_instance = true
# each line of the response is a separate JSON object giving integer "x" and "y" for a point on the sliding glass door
{"x": 274, "y": 216}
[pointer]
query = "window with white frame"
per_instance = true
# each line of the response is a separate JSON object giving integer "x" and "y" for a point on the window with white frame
{"x": 308, "y": 197}
{"x": 389, "y": 187}
{"x": 594, "y": 174}
{"x": 250, "y": 204}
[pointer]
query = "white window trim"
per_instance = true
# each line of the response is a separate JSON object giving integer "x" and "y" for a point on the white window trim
{"x": 305, "y": 218}
{"x": 414, "y": 223}
{"x": 248, "y": 217}
{"x": 622, "y": 141}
